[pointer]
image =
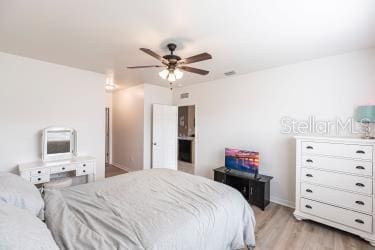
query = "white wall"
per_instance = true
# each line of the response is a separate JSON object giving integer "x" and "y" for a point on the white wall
{"x": 128, "y": 128}
{"x": 35, "y": 95}
{"x": 244, "y": 111}
{"x": 132, "y": 124}
{"x": 153, "y": 95}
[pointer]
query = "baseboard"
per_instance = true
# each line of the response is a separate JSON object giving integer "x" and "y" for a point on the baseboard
{"x": 118, "y": 165}
{"x": 282, "y": 202}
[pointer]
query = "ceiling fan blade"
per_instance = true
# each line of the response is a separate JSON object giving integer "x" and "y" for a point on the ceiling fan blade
{"x": 154, "y": 55}
{"x": 141, "y": 67}
{"x": 194, "y": 70}
{"x": 196, "y": 58}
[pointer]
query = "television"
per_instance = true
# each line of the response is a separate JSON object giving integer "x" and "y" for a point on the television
{"x": 242, "y": 160}
{"x": 58, "y": 143}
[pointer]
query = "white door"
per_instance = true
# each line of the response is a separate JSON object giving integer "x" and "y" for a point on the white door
{"x": 164, "y": 136}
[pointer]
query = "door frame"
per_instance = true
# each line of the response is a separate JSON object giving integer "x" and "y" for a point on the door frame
{"x": 196, "y": 138}
{"x": 107, "y": 158}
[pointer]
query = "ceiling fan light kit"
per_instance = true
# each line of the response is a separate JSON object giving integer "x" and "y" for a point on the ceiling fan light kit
{"x": 164, "y": 74}
{"x": 174, "y": 64}
{"x": 178, "y": 73}
{"x": 171, "y": 75}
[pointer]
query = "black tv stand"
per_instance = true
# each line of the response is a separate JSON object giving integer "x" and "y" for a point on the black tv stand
{"x": 254, "y": 176}
{"x": 255, "y": 188}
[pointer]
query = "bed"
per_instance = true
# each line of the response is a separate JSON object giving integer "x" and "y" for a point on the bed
{"x": 150, "y": 209}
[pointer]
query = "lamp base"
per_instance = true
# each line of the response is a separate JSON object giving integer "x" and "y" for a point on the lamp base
{"x": 367, "y": 131}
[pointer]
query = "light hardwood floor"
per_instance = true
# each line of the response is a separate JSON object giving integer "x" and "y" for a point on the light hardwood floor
{"x": 111, "y": 170}
{"x": 277, "y": 229}
{"x": 185, "y": 167}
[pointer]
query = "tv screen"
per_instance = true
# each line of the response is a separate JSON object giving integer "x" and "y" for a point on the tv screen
{"x": 242, "y": 160}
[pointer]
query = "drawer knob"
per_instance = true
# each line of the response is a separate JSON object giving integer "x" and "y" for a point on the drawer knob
{"x": 360, "y": 203}
{"x": 308, "y": 206}
{"x": 84, "y": 171}
{"x": 63, "y": 168}
{"x": 84, "y": 165}
{"x": 309, "y": 190}
{"x": 39, "y": 171}
{"x": 360, "y": 152}
{"x": 39, "y": 179}
{"x": 359, "y": 221}
{"x": 309, "y": 175}
{"x": 309, "y": 161}
{"x": 358, "y": 184}
{"x": 309, "y": 147}
{"x": 360, "y": 167}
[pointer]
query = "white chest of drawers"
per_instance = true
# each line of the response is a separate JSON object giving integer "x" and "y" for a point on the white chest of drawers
{"x": 335, "y": 183}
{"x": 41, "y": 172}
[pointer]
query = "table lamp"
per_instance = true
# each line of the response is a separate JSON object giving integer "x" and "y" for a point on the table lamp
{"x": 366, "y": 115}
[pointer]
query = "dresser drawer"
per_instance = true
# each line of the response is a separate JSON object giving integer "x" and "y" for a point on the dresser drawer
{"x": 336, "y": 149}
{"x": 339, "y": 215}
{"x": 88, "y": 164}
{"x": 358, "y": 167}
{"x": 84, "y": 170}
{"x": 39, "y": 179}
{"x": 62, "y": 168}
{"x": 344, "y": 199}
{"x": 343, "y": 181}
{"x": 40, "y": 171}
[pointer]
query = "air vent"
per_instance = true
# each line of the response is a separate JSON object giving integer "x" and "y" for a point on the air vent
{"x": 184, "y": 95}
{"x": 230, "y": 73}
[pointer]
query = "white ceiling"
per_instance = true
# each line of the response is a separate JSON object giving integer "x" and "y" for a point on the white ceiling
{"x": 241, "y": 35}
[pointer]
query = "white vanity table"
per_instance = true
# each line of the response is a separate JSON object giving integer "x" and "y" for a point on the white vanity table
{"x": 59, "y": 150}
{"x": 42, "y": 172}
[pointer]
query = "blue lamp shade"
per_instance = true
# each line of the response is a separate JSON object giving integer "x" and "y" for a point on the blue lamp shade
{"x": 365, "y": 113}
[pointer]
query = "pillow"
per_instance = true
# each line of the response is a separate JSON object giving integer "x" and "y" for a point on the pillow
{"x": 17, "y": 191}
{"x": 21, "y": 230}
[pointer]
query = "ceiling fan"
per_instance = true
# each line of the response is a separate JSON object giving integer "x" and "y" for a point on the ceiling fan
{"x": 174, "y": 65}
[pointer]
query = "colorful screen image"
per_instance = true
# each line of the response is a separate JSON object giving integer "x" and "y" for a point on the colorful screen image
{"x": 242, "y": 160}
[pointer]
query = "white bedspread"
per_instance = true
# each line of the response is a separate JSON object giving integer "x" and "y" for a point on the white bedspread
{"x": 150, "y": 209}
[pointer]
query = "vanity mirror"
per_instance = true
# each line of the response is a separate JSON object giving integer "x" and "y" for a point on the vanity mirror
{"x": 58, "y": 143}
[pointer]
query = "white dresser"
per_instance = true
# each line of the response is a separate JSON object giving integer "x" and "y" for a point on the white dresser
{"x": 334, "y": 183}
{"x": 42, "y": 172}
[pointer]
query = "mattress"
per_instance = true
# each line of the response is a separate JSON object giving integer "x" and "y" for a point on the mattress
{"x": 150, "y": 209}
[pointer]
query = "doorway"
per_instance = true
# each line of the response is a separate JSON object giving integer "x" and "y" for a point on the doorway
{"x": 107, "y": 139}
{"x": 186, "y": 139}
